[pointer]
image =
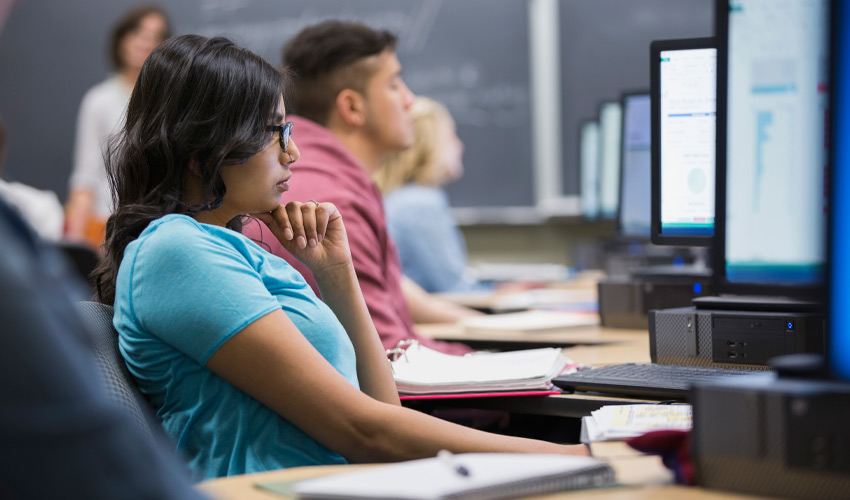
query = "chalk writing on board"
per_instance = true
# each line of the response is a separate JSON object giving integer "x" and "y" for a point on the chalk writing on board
{"x": 472, "y": 101}
{"x": 266, "y": 36}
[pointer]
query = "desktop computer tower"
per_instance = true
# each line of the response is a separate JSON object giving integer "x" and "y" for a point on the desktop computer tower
{"x": 625, "y": 302}
{"x": 732, "y": 339}
{"x": 768, "y": 435}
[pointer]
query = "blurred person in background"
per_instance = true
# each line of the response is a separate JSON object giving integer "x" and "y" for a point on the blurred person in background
{"x": 40, "y": 208}
{"x": 419, "y": 218}
{"x": 102, "y": 111}
{"x": 61, "y": 434}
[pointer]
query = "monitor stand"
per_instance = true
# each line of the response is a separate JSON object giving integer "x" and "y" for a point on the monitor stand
{"x": 687, "y": 272}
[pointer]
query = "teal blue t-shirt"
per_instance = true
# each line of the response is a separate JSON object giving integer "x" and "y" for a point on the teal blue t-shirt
{"x": 183, "y": 289}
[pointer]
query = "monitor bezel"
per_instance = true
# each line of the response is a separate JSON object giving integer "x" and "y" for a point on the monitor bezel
{"x": 655, "y": 49}
{"x": 836, "y": 319}
{"x": 720, "y": 282}
{"x": 623, "y": 97}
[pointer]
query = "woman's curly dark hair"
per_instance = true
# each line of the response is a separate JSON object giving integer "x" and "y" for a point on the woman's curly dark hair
{"x": 199, "y": 103}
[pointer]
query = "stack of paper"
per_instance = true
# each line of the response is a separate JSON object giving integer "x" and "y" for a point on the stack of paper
{"x": 617, "y": 422}
{"x": 500, "y": 272}
{"x": 558, "y": 299}
{"x": 485, "y": 476}
{"x": 421, "y": 370}
{"x": 528, "y": 321}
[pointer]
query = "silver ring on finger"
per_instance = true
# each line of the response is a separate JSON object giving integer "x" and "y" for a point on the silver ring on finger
{"x": 314, "y": 202}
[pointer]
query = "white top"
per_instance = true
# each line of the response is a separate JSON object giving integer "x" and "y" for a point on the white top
{"x": 102, "y": 113}
{"x": 41, "y": 209}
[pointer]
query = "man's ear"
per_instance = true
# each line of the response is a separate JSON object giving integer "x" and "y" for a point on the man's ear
{"x": 351, "y": 106}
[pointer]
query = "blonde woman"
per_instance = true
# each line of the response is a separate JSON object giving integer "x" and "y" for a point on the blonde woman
{"x": 420, "y": 221}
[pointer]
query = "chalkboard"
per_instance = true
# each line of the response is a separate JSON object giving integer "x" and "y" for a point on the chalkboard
{"x": 605, "y": 51}
{"x": 470, "y": 54}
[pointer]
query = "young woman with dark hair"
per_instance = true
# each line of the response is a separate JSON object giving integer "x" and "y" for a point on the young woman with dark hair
{"x": 247, "y": 369}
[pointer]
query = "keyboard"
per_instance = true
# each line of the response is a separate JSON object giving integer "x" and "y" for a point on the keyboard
{"x": 653, "y": 380}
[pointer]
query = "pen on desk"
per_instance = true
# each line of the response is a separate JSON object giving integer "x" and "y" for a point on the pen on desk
{"x": 449, "y": 459}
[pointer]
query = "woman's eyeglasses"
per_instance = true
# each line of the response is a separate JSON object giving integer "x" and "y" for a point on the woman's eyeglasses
{"x": 284, "y": 134}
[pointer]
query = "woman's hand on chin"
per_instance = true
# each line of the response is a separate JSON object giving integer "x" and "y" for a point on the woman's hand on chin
{"x": 311, "y": 231}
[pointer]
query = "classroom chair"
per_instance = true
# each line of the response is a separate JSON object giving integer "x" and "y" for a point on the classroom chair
{"x": 120, "y": 385}
{"x": 82, "y": 258}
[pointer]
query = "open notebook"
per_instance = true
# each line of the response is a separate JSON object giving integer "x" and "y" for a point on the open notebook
{"x": 488, "y": 476}
{"x": 421, "y": 370}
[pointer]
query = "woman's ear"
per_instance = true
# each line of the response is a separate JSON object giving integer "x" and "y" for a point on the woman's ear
{"x": 195, "y": 166}
{"x": 351, "y": 107}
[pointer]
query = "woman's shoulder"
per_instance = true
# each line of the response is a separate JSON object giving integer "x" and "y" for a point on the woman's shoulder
{"x": 171, "y": 233}
{"x": 172, "y": 223}
{"x": 178, "y": 242}
{"x": 177, "y": 233}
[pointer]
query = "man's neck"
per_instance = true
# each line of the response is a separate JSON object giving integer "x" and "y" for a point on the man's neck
{"x": 364, "y": 150}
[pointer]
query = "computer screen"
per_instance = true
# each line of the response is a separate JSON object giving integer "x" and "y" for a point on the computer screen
{"x": 683, "y": 76}
{"x": 589, "y": 168}
{"x": 610, "y": 128}
{"x": 839, "y": 202}
{"x": 773, "y": 97}
{"x": 634, "y": 216}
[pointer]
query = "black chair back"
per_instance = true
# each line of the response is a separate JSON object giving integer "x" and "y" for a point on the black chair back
{"x": 82, "y": 258}
{"x": 119, "y": 382}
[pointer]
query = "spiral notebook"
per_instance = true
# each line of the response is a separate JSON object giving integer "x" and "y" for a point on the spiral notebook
{"x": 486, "y": 476}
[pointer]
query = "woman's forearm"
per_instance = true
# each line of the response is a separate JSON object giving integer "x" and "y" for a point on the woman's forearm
{"x": 394, "y": 434}
{"x": 341, "y": 292}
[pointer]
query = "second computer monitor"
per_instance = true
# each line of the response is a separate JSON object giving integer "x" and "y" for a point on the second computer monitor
{"x": 634, "y": 217}
{"x": 683, "y": 76}
{"x": 610, "y": 128}
{"x": 589, "y": 168}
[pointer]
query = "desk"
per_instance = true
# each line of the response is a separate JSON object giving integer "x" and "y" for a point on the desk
{"x": 643, "y": 477}
{"x": 516, "y": 339}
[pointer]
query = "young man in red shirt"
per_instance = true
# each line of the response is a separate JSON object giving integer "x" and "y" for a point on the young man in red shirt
{"x": 353, "y": 110}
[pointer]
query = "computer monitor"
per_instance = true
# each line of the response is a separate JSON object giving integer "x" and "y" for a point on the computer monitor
{"x": 610, "y": 128}
{"x": 633, "y": 219}
{"x": 838, "y": 323}
{"x": 589, "y": 168}
{"x": 773, "y": 77}
{"x": 684, "y": 102}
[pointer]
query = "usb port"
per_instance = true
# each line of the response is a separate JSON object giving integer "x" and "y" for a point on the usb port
{"x": 732, "y": 354}
{"x": 730, "y": 343}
